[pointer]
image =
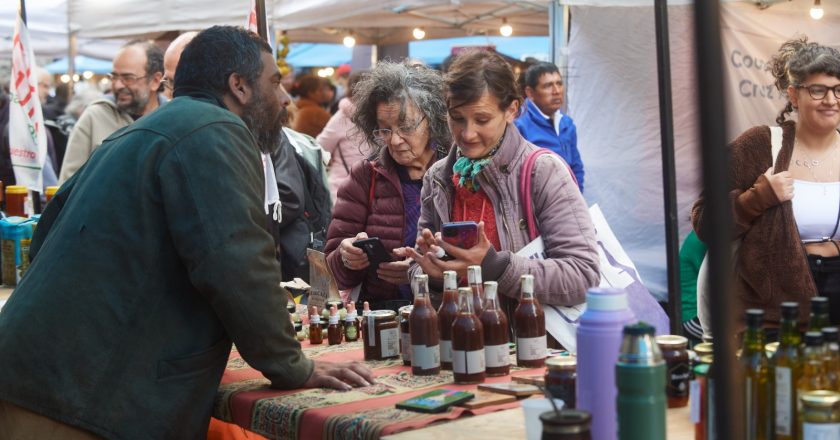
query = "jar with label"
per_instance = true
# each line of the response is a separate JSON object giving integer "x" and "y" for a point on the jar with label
{"x": 447, "y": 312}
{"x": 820, "y": 415}
{"x": 16, "y": 196}
{"x": 381, "y": 335}
{"x": 425, "y": 332}
{"x": 495, "y": 323}
{"x": 675, "y": 352}
{"x": 405, "y": 334}
{"x": 561, "y": 379}
{"x": 530, "y": 327}
{"x": 468, "y": 363}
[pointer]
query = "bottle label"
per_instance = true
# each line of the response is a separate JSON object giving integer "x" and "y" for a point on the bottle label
{"x": 820, "y": 431}
{"x": 694, "y": 401}
{"x": 350, "y": 331}
{"x": 371, "y": 332}
{"x": 783, "y": 401}
{"x": 531, "y": 349}
{"x": 445, "y": 351}
{"x": 497, "y": 355}
{"x": 405, "y": 346}
{"x": 468, "y": 362}
{"x": 425, "y": 357}
{"x": 390, "y": 342}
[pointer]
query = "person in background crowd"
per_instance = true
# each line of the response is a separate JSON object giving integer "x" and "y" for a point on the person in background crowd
{"x": 342, "y": 86}
{"x": 312, "y": 95}
{"x": 170, "y": 60}
{"x": 401, "y": 111}
{"x": 154, "y": 273}
{"x": 786, "y": 217}
{"x": 135, "y": 83}
{"x": 542, "y": 123}
{"x": 51, "y": 164}
{"x": 692, "y": 253}
{"x": 342, "y": 140}
{"x": 479, "y": 181}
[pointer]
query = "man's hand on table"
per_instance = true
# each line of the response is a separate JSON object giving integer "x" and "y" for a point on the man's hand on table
{"x": 339, "y": 375}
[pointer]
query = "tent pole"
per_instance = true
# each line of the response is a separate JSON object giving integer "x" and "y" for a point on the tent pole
{"x": 728, "y": 400}
{"x": 666, "y": 128}
{"x": 262, "y": 28}
{"x": 71, "y": 51}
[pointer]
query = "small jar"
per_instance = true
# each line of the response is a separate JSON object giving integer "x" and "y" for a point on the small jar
{"x": 405, "y": 334}
{"x": 704, "y": 349}
{"x": 381, "y": 335}
{"x": 820, "y": 415}
{"x": 568, "y": 424}
{"x": 675, "y": 353}
{"x": 49, "y": 192}
{"x": 561, "y": 379}
{"x": 16, "y": 201}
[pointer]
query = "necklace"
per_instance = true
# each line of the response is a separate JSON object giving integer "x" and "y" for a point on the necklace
{"x": 810, "y": 164}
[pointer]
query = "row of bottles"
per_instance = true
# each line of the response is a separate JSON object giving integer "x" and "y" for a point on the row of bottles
{"x": 335, "y": 330}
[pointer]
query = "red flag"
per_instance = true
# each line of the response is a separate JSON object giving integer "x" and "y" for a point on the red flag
{"x": 251, "y": 25}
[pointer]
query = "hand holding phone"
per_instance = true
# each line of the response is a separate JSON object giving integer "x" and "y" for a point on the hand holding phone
{"x": 375, "y": 251}
{"x": 460, "y": 234}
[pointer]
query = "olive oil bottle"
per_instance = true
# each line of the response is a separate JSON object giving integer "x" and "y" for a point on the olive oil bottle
{"x": 786, "y": 368}
{"x": 756, "y": 378}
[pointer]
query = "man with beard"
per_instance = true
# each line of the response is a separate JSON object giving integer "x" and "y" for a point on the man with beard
{"x": 135, "y": 84}
{"x": 151, "y": 260}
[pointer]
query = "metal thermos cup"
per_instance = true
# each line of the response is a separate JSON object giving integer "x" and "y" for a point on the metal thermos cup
{"x": 640, "y": 378}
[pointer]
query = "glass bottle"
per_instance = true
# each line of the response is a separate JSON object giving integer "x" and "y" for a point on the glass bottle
{"x": 316, "y": 335}
{"x": 819, "y": 314}
{"x": 334, "y": 328}
{"x": 474, "y": 279}
{"x": 813, "y": 366}
{"x": 446, "y": 314}
{"x": 831, "y": 356}
{"x": 495, "y": 323}
{"x": 530, "y": 327}
{"x": 351, "y": 324}
{"x": 756, "y": 378}
{"x": 467, "y": 342}
{"x": 425, "y": 333}
{"x": 786, "y": 366}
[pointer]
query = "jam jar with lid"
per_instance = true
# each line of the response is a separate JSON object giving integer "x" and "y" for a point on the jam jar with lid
{"x": 675, "y": 352}
{"x": 561, "y": 379}
{"x": 381, "y": 335}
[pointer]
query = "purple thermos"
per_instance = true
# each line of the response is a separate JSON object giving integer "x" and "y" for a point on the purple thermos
{"x": 598, "y": 345}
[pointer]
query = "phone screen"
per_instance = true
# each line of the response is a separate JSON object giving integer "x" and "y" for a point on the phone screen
{"x": 461, "y": 234}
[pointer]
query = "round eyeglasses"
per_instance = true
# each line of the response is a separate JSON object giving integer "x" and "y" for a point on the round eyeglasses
{"x": 819, "y": 91}
{"x": 382, "y": 136}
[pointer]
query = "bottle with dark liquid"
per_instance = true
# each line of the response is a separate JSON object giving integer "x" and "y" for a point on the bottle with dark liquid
{"x": 474, "y": 279}
{"x": 351, "y": 324}
{"x": 425, "y": 333}
{"x": 495, "y": 323}
{"x": 316, "y": 335}
{"x": 756, "y": 378}
{"x": 334, "y": 328}
{"x": 819, "y": 314}
{"x": 446, "y": 314}
{"x": 530, "y": 327}
{"x": 467, "y": 342}
{"x": 831, "y": 356}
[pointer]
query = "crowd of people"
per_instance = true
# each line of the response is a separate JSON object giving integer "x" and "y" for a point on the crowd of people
{"x": 198, "y": 184}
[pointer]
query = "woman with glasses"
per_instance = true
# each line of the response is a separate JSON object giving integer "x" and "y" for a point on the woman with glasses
{"x": 401, "y": 112}
{"x": 787, "y": 209}
{"x": 479, "y": 181}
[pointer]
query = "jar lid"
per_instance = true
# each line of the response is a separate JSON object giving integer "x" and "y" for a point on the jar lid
{"x": 672, "y": 341}
{"x": 566, "y": 421}
{"x": 406, "y": 310}
{"x": 16, "y": 189}
{"x": 707, "y": 359}
{"x": 382, "y": 315}
{"x": 704, "y": 348}
{"x": 561, "y": 362}
{"x": 820, "y": 398}
{"x": 51, "y": 190}
{"x": 606, "y": 299}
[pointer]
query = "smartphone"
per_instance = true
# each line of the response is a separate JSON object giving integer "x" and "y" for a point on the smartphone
{"x": 375, "y": 251}
{"x": 461, "y": 234}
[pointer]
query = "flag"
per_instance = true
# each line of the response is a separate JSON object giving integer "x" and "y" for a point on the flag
{"x": 251, "y": 25}
{"x": 27, "y": 134}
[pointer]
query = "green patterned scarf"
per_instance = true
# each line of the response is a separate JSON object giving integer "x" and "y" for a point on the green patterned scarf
{"x": 467, "y": 169}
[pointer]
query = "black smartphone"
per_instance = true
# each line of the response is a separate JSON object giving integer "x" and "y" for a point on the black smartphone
{"x": 461, "y": 234}
{"x": 375, "y": 251}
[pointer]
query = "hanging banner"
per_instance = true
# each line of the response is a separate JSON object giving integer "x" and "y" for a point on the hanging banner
{"x": 27, "y": 135}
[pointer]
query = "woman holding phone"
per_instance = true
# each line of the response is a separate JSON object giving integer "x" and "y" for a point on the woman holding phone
{"x": 401, "y": 112}
{"x": 479, "y": 180}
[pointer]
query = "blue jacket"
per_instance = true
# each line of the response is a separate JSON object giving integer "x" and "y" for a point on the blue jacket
{"x": 540, "y": 131}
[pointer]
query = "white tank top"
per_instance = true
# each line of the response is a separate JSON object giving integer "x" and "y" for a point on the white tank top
{"x": 815, "y": 208}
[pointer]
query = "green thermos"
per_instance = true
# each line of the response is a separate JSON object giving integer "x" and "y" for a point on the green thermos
{"x": 640, "y": 378}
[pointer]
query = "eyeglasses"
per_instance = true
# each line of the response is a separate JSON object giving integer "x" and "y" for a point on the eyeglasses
{"x": 128, "y": 79}
{"x": 382, "y": 136}
{"x": 819, "y": 91}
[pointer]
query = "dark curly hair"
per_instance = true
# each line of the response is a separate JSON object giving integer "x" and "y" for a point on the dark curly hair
{"x": 798, "y": 59}
{"x": 476, "y": 71}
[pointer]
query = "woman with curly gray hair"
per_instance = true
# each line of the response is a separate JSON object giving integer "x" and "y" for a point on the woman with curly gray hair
{"x": 402, "y": 113}
{"x": 785, "y": 190}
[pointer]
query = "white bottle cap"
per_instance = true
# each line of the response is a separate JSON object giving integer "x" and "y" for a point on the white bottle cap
{"x": 490, "y": 288}
{"x": 474, "y": 274}
{"x": 527, "y": 281}
{"x": 606, "y": 299}
{"x": 450, "y": 280}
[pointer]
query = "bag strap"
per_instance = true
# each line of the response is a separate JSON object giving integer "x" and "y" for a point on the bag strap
{"x": 371, "y": 189}
{"x": 525, "y": 188}
{"x": 776, "y": 135}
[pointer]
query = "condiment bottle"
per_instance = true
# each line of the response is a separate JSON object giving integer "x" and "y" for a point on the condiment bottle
{"x": 819, "y": 314}
{"x": 786, "y": 366}
{"x": 677, "y": 375}
{"x": 698, "y": 407}
{"x": 561, "y": 379}
{"x": 403, "y": 313}
{"x": 316, "y": 335}
{"x": 474, "y": 279}
{"x": 599, "y": 337}
{"x": 568, "y": 424}
{"x": 530, "y": 327}
{"x": 813, "y": 367}
{"x": 495, "y": 323}
{"x": 831, "y": 356}
{"x": 351, "y": 324}
{"x": 16, "y": 196}
{"x": 820, "y": 415}
{"x": 334, "y": 328}
{"x": 425, "y": 333}
{"x": 640, "y": 378}
{"x": 467, "y": 342}
{"x": 447, "y": 312}
{"x": 756, "y": 378}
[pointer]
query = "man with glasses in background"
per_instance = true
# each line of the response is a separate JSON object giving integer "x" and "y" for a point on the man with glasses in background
{"x": 135, "y": 86}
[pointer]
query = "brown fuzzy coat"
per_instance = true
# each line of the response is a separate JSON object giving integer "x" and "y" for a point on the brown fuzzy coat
{"x": 770, "y": 265}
